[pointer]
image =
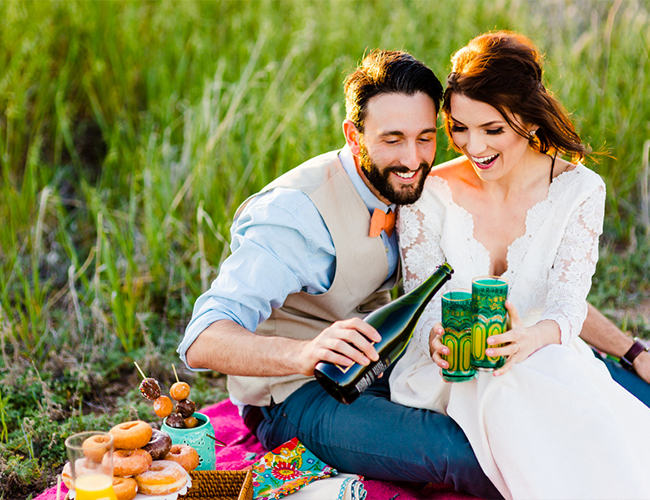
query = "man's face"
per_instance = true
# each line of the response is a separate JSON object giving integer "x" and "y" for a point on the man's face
{"x": 398, "y": 146}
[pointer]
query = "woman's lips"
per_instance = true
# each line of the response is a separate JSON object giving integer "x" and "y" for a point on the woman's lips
{"x": 484, "y": 162}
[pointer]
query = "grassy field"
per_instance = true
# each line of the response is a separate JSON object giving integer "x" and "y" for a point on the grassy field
{"x": 131, "y": 131}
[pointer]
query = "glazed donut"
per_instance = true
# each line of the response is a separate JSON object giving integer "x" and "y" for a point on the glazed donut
{"x": 162, "y": 478}
{"x": 81, "y": 466}
{"x": 125, "y": 488}
{"x": 159, "y": 445}
{"x": 131, "y": 435}
{"x": 130, "y": 462}
{"x": 184, "y": 455}
{"x": 95, "y": 446}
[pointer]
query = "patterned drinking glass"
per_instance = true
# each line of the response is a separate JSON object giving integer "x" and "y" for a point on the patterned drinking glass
{"x": 489, "y": 317}
{"x": 457, "y": 322}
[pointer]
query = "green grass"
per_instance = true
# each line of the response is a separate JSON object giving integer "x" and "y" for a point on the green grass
{"x": 131, "y": 131}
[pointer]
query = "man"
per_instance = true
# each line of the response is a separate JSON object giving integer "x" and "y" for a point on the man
{"x": 307, "y": 263}
{"x": 633, "y": 371}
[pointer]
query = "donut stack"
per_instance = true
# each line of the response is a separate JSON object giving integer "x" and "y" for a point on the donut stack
{"x": 181, "y": 417}
{"x": 144, "y": 461}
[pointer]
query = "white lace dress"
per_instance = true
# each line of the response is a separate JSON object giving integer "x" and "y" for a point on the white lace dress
{"x": 556, "y": 426}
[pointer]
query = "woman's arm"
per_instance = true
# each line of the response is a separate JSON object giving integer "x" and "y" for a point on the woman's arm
{"x": 568, "y": 285}
{"x": 421, "y": 255}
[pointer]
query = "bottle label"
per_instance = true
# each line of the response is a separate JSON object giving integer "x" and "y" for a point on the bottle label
{"x": 371, "y": 376}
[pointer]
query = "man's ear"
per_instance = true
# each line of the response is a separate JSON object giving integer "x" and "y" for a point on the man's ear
{"x": 352, "y": 137}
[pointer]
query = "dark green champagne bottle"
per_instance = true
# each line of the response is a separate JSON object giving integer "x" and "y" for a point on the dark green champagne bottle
{"x": 395, "y": 323}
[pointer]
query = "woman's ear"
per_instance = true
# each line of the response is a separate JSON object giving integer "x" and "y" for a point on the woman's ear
{"x": 352, "y": 137}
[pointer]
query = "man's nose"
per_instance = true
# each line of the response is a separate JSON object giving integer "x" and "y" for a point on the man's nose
{"x": 411, "y": 158}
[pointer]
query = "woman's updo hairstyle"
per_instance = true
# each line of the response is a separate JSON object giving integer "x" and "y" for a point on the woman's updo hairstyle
{"x": 503, "y": 69}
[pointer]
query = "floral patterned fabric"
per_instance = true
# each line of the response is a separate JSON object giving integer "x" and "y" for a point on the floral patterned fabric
{"x": 287, "y": 469}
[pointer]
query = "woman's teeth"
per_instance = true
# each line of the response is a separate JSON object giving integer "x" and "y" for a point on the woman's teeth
{"x": 486, "y": 160}
{"x": 406, "y": 175}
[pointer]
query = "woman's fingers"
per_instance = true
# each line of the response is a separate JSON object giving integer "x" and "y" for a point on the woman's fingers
{"x": 509, "y": 349}
{"x": 513, "y": 314}
{"x": 437, "y": 348}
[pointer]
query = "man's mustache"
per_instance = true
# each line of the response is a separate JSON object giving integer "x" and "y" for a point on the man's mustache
{"x": 401, "y": 169}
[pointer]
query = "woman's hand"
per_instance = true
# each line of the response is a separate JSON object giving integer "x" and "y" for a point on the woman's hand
{"x": 436, "y": 347}
{"x": 517, "y": 343}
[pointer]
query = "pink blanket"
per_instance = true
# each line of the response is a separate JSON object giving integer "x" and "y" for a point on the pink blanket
{"x": 243, "y": 449}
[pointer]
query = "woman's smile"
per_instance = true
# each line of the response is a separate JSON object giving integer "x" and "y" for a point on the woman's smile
{"x": 484, "y": 162}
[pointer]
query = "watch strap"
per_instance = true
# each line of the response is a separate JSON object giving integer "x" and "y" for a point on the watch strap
{"x": 637, "y": 348}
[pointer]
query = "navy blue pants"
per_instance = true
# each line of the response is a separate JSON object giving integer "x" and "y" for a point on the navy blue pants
{"x": 376, "y": 438}
{"x": 379, "y": 439}
{"x": 630, "y": 380}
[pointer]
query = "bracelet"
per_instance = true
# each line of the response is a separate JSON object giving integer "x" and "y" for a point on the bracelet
{"x": 637, "y": 348}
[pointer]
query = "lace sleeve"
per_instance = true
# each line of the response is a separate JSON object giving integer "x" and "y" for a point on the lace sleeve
{"x": 575, "y": 263}
{"x": 421, "y": 255}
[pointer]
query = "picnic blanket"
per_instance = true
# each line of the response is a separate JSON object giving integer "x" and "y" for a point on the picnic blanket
{"x": 243, "y": 449}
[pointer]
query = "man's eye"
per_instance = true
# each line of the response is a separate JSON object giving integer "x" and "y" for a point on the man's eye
{"x": 391, "y": 141}
{"x": 494, "y": 131}
{"x": 458, "y": 128}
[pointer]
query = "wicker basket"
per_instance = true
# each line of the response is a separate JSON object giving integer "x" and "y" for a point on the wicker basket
{"x": 220, "y": 485}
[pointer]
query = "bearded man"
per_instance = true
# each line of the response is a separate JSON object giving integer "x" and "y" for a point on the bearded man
{"x": 307, "y": 264}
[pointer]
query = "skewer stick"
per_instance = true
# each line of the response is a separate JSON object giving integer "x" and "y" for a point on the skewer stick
{"x": 136, "y": 365}
{"x": 175, "y": 374}
{"x": 58, "y": 487}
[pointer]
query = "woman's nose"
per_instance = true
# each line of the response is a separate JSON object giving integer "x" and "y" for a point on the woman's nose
{"x": 475, "y": 145}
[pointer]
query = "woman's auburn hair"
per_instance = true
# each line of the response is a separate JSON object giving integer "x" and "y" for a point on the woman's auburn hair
{"x": 504, "y": 69}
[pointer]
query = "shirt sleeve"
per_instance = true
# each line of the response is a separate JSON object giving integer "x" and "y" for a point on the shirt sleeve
{"x": 574, "y": 265}
{"x": 421, "y": 255}
{"x": 279, "y": 245}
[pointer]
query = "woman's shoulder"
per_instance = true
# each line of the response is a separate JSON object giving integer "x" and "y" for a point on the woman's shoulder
{"x": 451, "y": 169}
{"x": 580, "y": 177}
{"x": 448, "y": 175}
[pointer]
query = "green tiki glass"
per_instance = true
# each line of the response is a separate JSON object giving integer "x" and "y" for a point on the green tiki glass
{"x": 489, "y": 318}
{"x": 457, "y": 322}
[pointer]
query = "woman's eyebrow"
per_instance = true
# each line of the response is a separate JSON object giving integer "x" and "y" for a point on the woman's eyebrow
{"x": 488, "y": 124}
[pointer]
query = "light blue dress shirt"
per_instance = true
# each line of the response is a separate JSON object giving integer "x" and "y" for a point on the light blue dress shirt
{"x": 279, "y": 245}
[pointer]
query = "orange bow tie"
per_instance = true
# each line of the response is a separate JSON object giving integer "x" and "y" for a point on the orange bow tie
{"x": 382, "y": 220}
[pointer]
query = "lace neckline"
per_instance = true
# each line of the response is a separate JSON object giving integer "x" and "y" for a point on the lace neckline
{"x": 535, "y": 216}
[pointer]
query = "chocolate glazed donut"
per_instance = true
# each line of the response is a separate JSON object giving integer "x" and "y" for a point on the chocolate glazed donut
{"x": 159, "y": 445}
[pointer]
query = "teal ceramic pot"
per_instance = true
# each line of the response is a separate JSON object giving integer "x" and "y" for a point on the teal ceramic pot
{"x": 200, "y": 438}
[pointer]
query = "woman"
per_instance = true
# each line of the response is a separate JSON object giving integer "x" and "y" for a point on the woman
{"x": 551, "y": 423}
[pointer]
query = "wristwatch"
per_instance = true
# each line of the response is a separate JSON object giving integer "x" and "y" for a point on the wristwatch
{"x": 637, "y": 348}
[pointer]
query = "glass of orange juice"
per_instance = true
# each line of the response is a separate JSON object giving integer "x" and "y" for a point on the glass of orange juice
{"x": 91, "y": 464}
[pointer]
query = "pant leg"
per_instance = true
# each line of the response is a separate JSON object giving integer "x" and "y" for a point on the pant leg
{"x": 628, "y": 379}
{"x": 377, "y": 439}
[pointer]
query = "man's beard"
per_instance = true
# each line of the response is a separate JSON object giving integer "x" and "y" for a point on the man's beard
{"x": 380, "y": 179}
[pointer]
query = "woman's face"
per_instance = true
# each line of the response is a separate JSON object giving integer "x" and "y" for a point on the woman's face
{"x": 484, "y": 136}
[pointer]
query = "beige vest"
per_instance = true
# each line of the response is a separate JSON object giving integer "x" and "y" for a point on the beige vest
{"x": 359, "y": 284}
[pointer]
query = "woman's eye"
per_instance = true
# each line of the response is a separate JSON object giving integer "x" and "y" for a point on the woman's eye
{"x": 494, "y": 131}
{"x": 458, "y": 128}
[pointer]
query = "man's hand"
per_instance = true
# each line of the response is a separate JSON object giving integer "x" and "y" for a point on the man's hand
{"x": 641, "y": 366}
{"x": 343, "y": 343}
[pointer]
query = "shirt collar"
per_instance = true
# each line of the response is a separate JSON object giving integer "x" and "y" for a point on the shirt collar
{"x": 371, "y": 201}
